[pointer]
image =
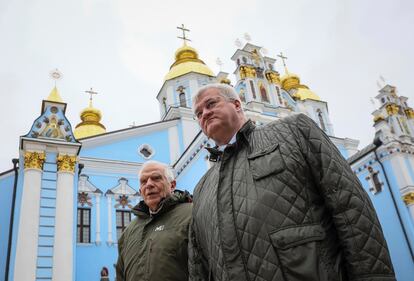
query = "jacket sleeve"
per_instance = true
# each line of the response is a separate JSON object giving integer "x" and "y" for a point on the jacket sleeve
{"x": 364, "y": 248}
{"x": 197, "y": 271}
{"x": 120, "y": 272}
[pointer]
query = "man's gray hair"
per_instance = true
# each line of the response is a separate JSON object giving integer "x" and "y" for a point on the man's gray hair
{"x": 168, "y": 172}
{"x": 226, "y": 91}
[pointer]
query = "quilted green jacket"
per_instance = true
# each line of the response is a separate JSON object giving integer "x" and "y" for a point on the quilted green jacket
{"x": 154, "y": 247}
{"x": 282, "y": 204}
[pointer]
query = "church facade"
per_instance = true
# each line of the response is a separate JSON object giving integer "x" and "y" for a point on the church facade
{"x": 68, "y": 198}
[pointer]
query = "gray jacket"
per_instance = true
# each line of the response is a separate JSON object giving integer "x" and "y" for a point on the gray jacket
{"x": 282, "y": 204}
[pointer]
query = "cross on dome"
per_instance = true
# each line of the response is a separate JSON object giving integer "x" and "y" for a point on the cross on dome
{"x": 184, "y": 29}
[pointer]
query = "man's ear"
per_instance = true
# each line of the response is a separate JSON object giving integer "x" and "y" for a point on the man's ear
{"x": 173, "y": 185}
{"x": 238, "y": 105}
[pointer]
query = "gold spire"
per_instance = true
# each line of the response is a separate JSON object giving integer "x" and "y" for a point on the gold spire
{"x": 186, "y": 60}
{"x": 91, "y": 117}
{"x": 54, "y": 95}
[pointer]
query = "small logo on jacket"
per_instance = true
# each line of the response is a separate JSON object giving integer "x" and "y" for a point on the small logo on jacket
{"x": 159, "y": 228}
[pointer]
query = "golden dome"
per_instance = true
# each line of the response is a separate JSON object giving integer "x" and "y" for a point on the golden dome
{"x": 305, "y": 93}
{"x": 90, "y": 125}
{"x": 54, "y": 96}
{"x": 291, "y": 81}
{"x": 186, "y": 61}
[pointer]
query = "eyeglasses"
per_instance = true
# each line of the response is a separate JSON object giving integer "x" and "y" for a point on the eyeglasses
{"x": 209, "y": 105}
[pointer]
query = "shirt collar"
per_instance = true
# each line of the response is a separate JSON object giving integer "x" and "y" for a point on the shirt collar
{"x": 223, "y": 147}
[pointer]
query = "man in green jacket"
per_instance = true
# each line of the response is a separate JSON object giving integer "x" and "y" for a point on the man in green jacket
{"x": 154, "y": 245}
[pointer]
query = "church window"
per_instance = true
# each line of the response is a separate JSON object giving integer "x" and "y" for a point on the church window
{"x": 244, "y": 59}
{"x": 123, "y": 218}
{"x": 373, "y": 177}
{"x": 270, "y": 66}
{"x": 383, "y": 100}
{"x": 146, "y": 151}
{"x": 238, "y": 61}
{"x": 321, "y": 122}
{"x": 242, "y": 95}
{"x": 164, "y": 104}
{"x": 263, "y": 93}
{"x": 259, "y": 72}
{"x": 84, "y": 226}
{"x": 183, "y": 101}
{"x": 253, "y": 90}
{"x": 278, "y": 95}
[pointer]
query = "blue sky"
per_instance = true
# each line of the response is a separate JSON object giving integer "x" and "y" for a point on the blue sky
{"x": 123, "y": 49}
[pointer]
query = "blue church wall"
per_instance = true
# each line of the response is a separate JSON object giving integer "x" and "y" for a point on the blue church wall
{"x": 6, "y": 195}
{"x": 343, "y": 151}
{"x": 127, "y": 150}
{"x": 391, "y": 226}
{"x": 91, "y": 257}
{"x": 192, "y": 174}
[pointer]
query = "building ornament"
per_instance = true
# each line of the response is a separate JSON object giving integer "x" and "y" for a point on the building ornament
{"x": 84, "y": 199}
{"x": 273, "y": 77}
{"x": 409, "y": 198}
{"x": 247, "y": 72}
{"x": 392, "y": 109}
{"x": 410, "y": 113}
{"x": 34, "y": 160}
{"x": 66, "y": 163}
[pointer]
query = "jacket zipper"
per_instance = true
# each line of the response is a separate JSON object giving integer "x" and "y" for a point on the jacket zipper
{"x": 148, "y": 265}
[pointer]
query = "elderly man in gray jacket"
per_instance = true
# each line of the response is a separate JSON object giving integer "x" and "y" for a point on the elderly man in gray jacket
{"x": 280, "y": 203}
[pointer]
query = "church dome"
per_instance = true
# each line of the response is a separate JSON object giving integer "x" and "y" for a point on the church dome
{"x": 305, "y": 93}
{"x": 291, "y": 81}
{"x": 186, "y": 61}
{"x": 90, "y": 125}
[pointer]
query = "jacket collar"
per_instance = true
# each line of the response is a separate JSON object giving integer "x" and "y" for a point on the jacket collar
{"x": 141, "y": 210}
{"x": 241, "y": 136}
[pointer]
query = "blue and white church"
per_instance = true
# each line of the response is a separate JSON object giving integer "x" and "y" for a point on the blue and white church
{"x": 68, "y": 197}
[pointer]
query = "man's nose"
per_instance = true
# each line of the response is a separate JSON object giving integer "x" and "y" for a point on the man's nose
{"x": 207, "y": 113}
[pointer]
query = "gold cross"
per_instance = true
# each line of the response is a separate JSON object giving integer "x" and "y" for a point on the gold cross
{"x": 283, "y": 61}
{"x": 185, "y": 39}
{"x": 91, "y": 92}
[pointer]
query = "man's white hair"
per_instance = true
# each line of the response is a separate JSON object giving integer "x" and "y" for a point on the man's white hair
{"x": 168, "y": 172}
{"x": 226, "y": 91}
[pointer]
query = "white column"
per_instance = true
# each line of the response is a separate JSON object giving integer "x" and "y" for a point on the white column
{"x": 64, "y": 223}
{"x": 98, "y": 219}
{"x": 109, "y": 200}
{"x": 28, "y": 231}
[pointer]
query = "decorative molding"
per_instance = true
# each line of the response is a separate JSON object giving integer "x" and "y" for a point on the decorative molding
{"x": 408, "y": 198}
{"x": 84, "y": 199}
{"x": 34, "y": 160}
{"x": 109, "y": 166}
{"x": 146, "y": 148}
{"x": 66, "y": 163}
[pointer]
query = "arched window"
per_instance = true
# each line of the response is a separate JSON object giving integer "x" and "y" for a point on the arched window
{"x": 253, "y": 90}
{"x": 242, "y": 95}
{"x": 278, "y": 95}
{"x": 321, "y": 122}
{"x": 373, "y": 177}
{"x": 183, "y": 102}
{"x": 238, "y": 61}
{"x": 164, "y": 104}
{"x": 263, "y": 93}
